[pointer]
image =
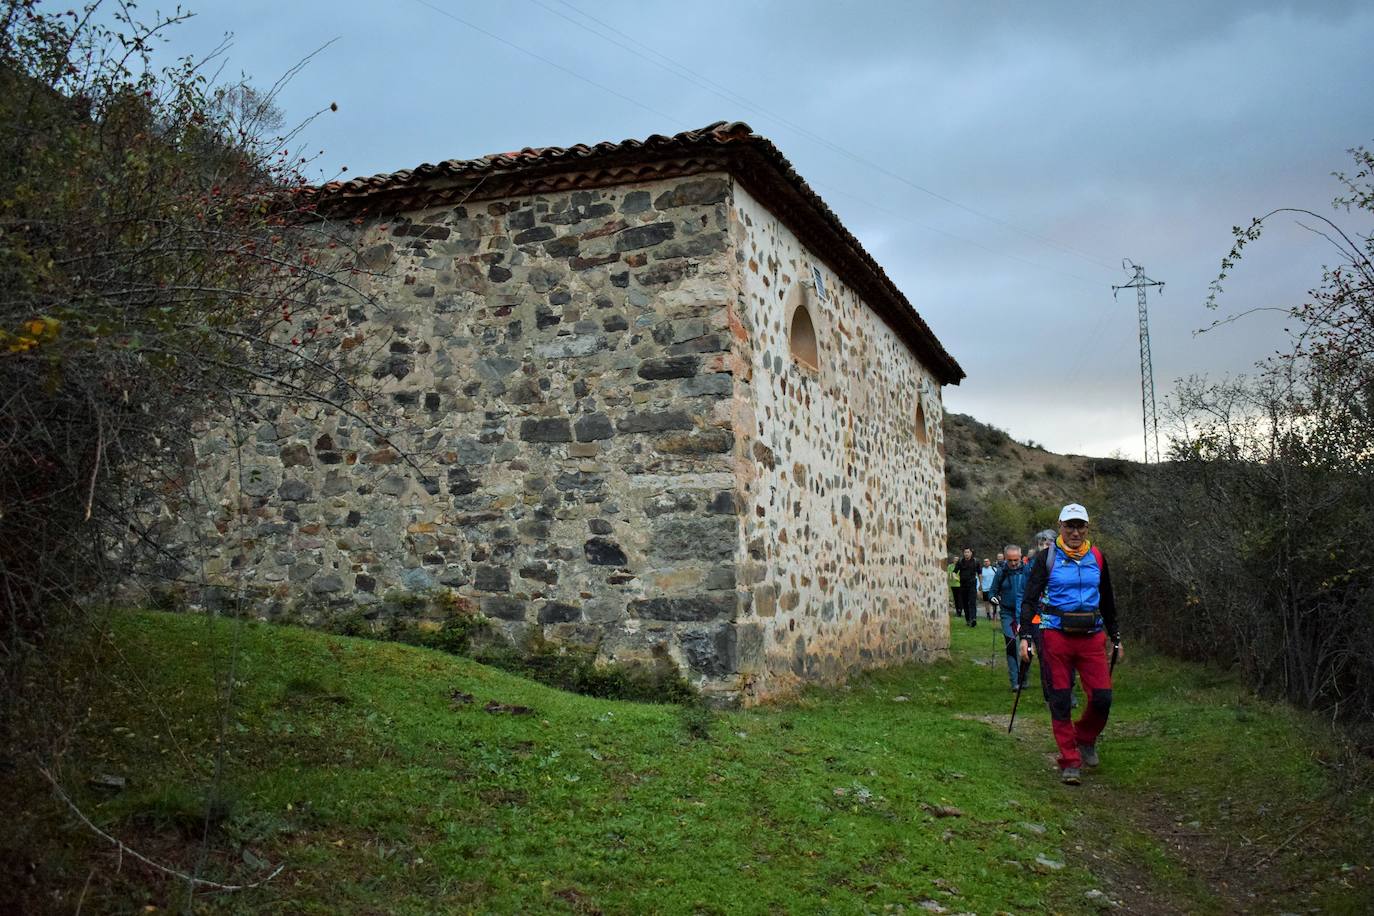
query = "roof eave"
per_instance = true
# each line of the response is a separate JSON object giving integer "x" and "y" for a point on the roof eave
{"x": 820, "y": 230}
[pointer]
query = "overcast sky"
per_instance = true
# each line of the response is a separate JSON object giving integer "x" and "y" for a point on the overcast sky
{"x": 998, "y": 159}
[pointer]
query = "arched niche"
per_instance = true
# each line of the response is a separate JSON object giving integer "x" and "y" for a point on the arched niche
{"x": 802, "y": 338}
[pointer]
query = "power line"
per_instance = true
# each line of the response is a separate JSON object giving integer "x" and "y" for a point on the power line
{"x": 535, "y": 55}
{"x": 685, "y": 72}
{"x": 832, "y": 190}
{"x": 1089, "y": 347}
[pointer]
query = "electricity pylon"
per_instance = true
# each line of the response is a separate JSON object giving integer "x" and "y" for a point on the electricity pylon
{"x": 1140, "y": 283}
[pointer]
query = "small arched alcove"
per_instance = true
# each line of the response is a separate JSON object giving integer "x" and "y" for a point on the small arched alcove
{"x": 921, "y": 435}
{"x": 802, "y": 336}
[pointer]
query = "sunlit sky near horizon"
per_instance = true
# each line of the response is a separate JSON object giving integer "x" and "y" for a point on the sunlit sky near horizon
{"x": 999, "y": 159}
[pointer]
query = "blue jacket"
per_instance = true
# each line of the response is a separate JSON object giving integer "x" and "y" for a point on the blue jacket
{"x": 1074, "y": 585}
{"x": 1008, "y": 585}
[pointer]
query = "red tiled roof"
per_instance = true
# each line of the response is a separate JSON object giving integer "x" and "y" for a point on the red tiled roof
{"x": 730, "y": 146}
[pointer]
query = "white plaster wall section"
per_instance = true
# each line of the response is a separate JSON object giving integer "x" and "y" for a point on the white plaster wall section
{"x": 844, "y": 505}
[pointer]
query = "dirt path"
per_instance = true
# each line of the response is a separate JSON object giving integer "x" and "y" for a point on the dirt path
{"x": 1112, "y": 823}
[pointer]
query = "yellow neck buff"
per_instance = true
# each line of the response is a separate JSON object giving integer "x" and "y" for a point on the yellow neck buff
{"x": 1078, "y": 554}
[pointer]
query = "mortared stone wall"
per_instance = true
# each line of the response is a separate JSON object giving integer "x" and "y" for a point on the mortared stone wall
{"x": 841, "y": 469}
{"x": 612, "y": 444}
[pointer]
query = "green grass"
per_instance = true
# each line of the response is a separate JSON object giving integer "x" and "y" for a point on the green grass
{"x": 351, "y": 763}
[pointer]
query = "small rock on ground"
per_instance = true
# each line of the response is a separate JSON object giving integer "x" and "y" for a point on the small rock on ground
{"x": 1045, "y": 863}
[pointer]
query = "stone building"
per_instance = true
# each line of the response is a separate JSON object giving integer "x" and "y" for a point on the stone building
{"x": 667, "y": 404}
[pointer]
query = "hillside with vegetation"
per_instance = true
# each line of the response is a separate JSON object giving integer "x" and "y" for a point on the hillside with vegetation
{"x": 1001, "y": 491}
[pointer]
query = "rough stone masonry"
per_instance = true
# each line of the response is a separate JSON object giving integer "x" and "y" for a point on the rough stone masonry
{"x": 617, "y": 442}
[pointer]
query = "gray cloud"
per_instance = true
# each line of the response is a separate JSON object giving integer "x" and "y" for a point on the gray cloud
{"x": 1089, "y": 132}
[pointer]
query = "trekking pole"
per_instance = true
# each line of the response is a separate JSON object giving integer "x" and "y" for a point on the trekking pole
{"x": 996, "y": 631}
{"x": 1020, "y": 685}
{"x": 1116, "y": 650}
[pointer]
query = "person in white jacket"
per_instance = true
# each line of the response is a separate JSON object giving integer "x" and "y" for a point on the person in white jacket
{"x": 985, "y": 587}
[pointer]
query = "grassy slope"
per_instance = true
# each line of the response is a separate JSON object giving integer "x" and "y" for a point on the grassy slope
{"x": 349, "y": 762}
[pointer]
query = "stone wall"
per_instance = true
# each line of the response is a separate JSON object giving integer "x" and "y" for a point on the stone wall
{"x": 559, "y": 370}
{"x": 601, "y": 433}
{"x": 842, "y": 476}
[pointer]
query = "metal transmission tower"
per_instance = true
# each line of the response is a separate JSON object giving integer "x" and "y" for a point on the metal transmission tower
{"x": 1140, "y": 283}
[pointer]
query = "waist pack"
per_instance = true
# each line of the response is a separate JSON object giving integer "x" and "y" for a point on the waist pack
{"x": 1079, "y": 621}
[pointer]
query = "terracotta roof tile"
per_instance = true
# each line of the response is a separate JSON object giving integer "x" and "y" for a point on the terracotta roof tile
{"x": 720, "y": 133}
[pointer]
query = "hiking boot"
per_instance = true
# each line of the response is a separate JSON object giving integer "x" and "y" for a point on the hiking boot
{"x": 1089, "y": 754}
{"x": 1070, "y": 776}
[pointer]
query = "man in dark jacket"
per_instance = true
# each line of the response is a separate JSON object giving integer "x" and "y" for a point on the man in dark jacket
{"x": 1069, "y": 612}
{"x": 967, "y": 568}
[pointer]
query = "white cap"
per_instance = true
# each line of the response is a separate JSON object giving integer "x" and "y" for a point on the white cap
{"x": 1073, "y": 511}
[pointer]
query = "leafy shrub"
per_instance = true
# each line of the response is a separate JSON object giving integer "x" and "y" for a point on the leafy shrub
{"x": 1113, "y": 467}
{"x": 156, "y": 270}
{"x": 1255, "y": 527}
{"x": 990, "y": 439}
{"x": 571, "y": 668}
{"x": 350, "y": 623}
{"x": 462, "y": 623}
{"x": 989, "y": 523}
{"x": 575, "y": 669}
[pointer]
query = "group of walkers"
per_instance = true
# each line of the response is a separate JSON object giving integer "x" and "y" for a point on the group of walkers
{"x": 1054, "y": 601}
{"x": 971, "y": 580}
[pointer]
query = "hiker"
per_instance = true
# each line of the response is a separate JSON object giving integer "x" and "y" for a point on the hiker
{"x": 1069, "y": 612}
{"x": 985, "y": 576}
{"x": 968, "y": 586}
{"x": 1008, "y": 585}
{"x": 1043, "y": 539}
{"x": 952, "y": 572}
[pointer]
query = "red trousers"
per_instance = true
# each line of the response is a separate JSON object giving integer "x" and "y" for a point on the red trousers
{"x": 1061, "y": 654}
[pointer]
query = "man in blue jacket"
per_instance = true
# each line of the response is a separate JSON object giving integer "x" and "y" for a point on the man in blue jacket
{"x": 1069, "y": 611}
{"x": 1008, "y": 585}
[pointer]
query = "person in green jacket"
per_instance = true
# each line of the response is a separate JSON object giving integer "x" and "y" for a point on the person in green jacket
{"x": 952, "y": 576}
